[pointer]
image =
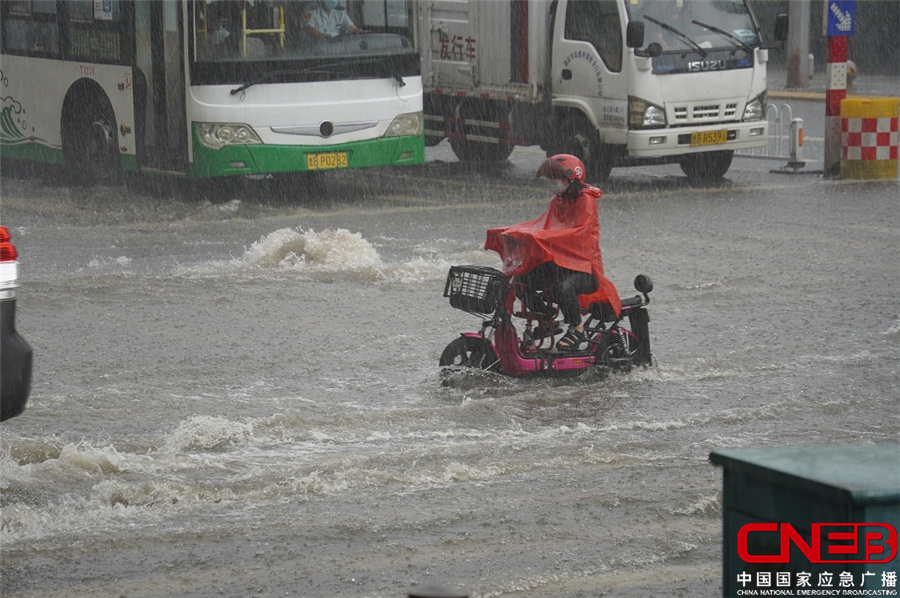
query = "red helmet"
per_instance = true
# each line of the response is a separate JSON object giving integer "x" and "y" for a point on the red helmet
{"x": 562, "y": 166}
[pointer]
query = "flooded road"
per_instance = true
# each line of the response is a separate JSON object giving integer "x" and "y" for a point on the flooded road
{"x": 236, "y": 391}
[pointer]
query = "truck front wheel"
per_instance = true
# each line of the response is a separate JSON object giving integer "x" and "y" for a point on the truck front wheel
{"x": 580, "y": 139}
{"x": 480, "y": 152}
{"x": 706, "y": 166}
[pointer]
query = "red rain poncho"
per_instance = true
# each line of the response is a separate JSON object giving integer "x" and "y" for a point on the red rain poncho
{"x": 568, "y": 234}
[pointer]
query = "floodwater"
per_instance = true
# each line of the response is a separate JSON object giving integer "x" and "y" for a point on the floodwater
{"x": 236, "y": 393}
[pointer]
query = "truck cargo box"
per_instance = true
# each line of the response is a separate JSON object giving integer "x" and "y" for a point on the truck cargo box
{"x": 486, "y": 48}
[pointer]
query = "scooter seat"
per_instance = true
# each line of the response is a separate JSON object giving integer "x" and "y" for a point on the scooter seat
{"x": 603, "y": 311}
{"x": 635, "y": 301}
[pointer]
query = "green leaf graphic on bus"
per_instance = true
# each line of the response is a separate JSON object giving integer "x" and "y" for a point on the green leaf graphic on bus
{"x": 11, "y": 122}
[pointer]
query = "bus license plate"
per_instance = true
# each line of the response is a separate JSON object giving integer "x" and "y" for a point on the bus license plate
{"x": 329, "y": 160}
{"x": 709, "y": 138}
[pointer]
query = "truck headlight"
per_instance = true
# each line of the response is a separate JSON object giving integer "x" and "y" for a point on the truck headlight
{"x": 218, "y": 135}
{"x": 406, "y": 125}
{"x": 755, "y": 108}
{"x": 644, "y": 115}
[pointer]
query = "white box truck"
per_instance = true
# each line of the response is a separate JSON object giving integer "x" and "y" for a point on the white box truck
{"x": 615, "y": 82}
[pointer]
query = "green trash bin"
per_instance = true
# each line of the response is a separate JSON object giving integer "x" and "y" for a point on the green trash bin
{"x": 812, "y": 521}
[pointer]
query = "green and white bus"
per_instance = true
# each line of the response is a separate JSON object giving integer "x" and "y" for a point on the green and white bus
{"x": 208, "y": 88}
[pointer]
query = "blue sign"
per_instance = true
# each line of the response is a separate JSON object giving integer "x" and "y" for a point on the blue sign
{"x": 841, "y": 15}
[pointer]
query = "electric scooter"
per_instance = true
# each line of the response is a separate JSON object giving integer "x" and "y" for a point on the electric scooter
{"x": 617, "y": 342}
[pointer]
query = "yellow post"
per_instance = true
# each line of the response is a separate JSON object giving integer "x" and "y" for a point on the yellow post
{"x": 244, "y": 32}
{"x": 869, "y": 138}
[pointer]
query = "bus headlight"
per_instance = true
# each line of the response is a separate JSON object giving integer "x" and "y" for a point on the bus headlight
{"x": 406, "y": 125}
{"x": 218, "y": 135}
{"x": 755, "y": 108}
{"x": 644, "y": 115}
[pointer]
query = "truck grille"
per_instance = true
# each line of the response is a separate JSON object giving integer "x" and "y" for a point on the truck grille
{"x": 705, "y": 113}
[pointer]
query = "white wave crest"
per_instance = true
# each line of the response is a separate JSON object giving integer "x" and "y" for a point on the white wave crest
{"x": 152, "y": 493}
{"x": 85, "y": 457}
{"x": 207, "y": 433}
{"x": 707, "y": 505}
{"x": 417, "y": 270}
{"x": 335, "y": 252}
{"x": 329, "y": 250}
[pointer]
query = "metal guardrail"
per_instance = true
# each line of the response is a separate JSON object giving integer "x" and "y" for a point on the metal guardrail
{"x": 785, "y": 138}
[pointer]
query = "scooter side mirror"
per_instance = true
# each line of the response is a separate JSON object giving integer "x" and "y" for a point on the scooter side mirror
{"x": 643, "y": 284}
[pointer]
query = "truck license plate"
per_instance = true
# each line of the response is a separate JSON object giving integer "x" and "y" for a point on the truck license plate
{"x": 709, "y": 138}
{"x": 328, "y": 160}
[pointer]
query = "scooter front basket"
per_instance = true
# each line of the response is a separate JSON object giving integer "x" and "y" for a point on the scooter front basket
{"x": 475, "y": 289}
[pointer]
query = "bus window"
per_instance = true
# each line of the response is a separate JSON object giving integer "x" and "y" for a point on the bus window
{"x": 95, "y": 32}
{"x": 228, "y": 31}
{"x": 31, "y": 28}
{"x": 91, "y": 11}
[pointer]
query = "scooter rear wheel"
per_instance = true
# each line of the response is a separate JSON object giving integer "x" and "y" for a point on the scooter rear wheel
{"x": 470, "y": 352}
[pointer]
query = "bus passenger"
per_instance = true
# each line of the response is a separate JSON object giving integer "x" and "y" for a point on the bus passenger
{"x": 325, "y": 20}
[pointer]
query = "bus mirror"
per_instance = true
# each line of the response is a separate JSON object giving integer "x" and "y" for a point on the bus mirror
{"x": 634, "y": 35}
{"x": 781, "y": 27}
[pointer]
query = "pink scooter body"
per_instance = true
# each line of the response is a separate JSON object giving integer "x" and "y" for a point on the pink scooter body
{"x": 514, "y": 363}
{"x": 487, "y": 293}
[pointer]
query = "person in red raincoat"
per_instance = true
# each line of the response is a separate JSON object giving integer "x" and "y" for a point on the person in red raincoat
{"x": 559, "y": 251}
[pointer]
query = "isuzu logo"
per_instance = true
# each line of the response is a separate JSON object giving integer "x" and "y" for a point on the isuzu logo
{"x": 697, "y": 66}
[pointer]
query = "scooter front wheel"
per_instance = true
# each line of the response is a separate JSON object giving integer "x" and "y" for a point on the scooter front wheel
{"x": 470, "y": 352}
{"x": 621, "y": 352}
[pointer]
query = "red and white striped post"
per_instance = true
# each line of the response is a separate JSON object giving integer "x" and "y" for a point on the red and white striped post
{"x": 838, "y": 22}
{"x": 835, "y": 92}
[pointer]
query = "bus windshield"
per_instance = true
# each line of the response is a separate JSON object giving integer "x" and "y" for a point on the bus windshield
{"x": 233, "y": 40}
{"x": 696, "y": 25}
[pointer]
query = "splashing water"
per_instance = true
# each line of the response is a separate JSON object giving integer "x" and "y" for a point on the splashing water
{"x": 308, "y": 250}
{"x": 337, "y": 251}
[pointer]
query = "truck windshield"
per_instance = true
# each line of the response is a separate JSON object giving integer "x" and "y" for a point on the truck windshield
{"x": 236, "y": 41}
{"x": 696, "y": 25}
